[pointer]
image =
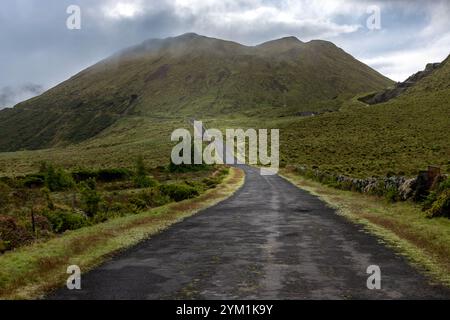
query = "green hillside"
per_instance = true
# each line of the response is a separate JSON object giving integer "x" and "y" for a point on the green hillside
{"x": 401, "y": 136}
{"x": 189, "y": 76}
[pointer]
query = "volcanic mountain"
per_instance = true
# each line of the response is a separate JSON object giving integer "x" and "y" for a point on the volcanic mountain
{"x": 189, "y": 76}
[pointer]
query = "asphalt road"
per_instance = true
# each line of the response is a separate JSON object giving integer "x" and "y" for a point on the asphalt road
{"x": 270, "y": 240}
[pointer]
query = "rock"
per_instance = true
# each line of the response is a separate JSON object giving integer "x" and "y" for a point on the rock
{"x": 407, "y": 189}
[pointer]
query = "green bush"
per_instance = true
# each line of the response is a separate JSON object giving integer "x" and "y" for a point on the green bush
{"x": 144, "y": 182}
{"x": 101, "y": 217}
{"x": 102, "y": 175}
{"x": 437, "y": 203}
{"x": 224, "y": 171}
{"x": 65, "y": 220}
{"x": 211, "y": 182}
{"x": 141, "y": 179}
{"x": 440, "y": 207}
{"x": 115, "y": 174}
{"x": 4, "y": 246}
{"x": 429, "y": 200}
{"x": 57, "y": 179}
{"x": 184, "y": 168}
{"x": 83, "y": 175}
{"x": 119, "y": 208}
{"x": 153, "y": 197}
{"x": 392, "y": 195}
{"x": 90, "y": 197}
{"x": 179, "y": 192}
{"x": 444, "y": 185}
{"x": 33, "y": 181}
{"x": 139, "y": 203}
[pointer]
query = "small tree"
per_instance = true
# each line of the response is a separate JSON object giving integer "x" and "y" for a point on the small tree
{"x": 90, "y": 197}
{"x": 56, "y": 179}
{"x": 46, "y": 192}
{"x": 141, "y": 179}
{"x": 29, "y": 198}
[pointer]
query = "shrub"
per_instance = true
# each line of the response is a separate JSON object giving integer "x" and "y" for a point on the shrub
{"x": 444, "y": 185}
{"x": 139, "y": 203}
{"x": 42, "y": 223}
{"x": 183, "y": 168}
{"x": 34, "y": 181}
{"x": 102, "y": 175}
{"x": 90, "y": 197}
{"x": 141, "y": 179}
{"x": 211, "y": 182}
{"x": 101, "y": 217}
{"x": 12, "y": 233}
{"x": 43, "y": 227}
{"x": 110, "y": 175}
{"x": 392, "y": 195}
{"x": 118, "y": 208}
{"x": 65, "y": 220}
{"x": 224, "y": 171}
{"x": 4, "y": 246}
{"x": 144, "y": 182}
{"x": 436, "y": 203}
{"x": 57, "y": 179}
{"x": 179, "y": 192}
{"x": 440, "y": 207}
{"x": 140, "y": 167}
{"x": 83, "y": 175}
{"x": 153, "y": 197}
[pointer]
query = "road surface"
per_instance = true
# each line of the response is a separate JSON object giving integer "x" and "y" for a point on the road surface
{"x": 270, "y": 240}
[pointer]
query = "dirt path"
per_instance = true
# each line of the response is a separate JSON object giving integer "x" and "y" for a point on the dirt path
{"x": 268, "y": 241}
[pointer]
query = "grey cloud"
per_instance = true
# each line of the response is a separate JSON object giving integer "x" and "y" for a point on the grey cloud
{"x": 37, "y": 47}
{"x": 9, "y": 96}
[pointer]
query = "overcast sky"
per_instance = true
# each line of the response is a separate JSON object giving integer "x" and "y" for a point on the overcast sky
{"x": 37, "y": 50}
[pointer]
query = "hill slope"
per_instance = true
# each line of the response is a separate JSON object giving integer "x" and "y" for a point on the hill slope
{"x": 189, "y": 76}
{"x": 401, "y": 136}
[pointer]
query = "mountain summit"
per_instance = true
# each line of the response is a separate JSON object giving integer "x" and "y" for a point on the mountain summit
{"x": 186, "y": 76}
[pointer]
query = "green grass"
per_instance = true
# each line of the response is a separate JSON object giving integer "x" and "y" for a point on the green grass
{"x": 400, "y": 137}
{"x": 117, "y": 147}
{"x": 32, "y": 271}
{"x": 402, "y": 226}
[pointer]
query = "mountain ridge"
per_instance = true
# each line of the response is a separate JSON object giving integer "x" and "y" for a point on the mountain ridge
{"x": 185, "y": 76}
{"x": 409, "y": 84}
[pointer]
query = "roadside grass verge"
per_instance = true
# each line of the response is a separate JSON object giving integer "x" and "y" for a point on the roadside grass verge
{"x": 31, "y": 272}
{"x": 402, "y": 226}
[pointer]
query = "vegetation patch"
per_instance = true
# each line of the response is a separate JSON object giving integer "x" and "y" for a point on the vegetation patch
{"x": 39, "y": 206}
{"x": 31, "y": 271}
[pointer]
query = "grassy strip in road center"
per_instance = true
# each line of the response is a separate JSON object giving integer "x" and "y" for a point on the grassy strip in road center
{"x": 402, "y": 226}
{"x": 31, "y": 272}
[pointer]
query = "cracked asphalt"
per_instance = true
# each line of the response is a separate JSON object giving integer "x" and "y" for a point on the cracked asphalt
{"x": 270, "y": 240}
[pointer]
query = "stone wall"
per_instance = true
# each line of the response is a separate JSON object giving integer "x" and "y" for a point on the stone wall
{"x": 396, "y": 187}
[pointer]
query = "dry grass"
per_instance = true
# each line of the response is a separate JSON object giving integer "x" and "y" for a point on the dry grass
{"x": 32, "y": 271}
{"x": 403, "y": 226}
